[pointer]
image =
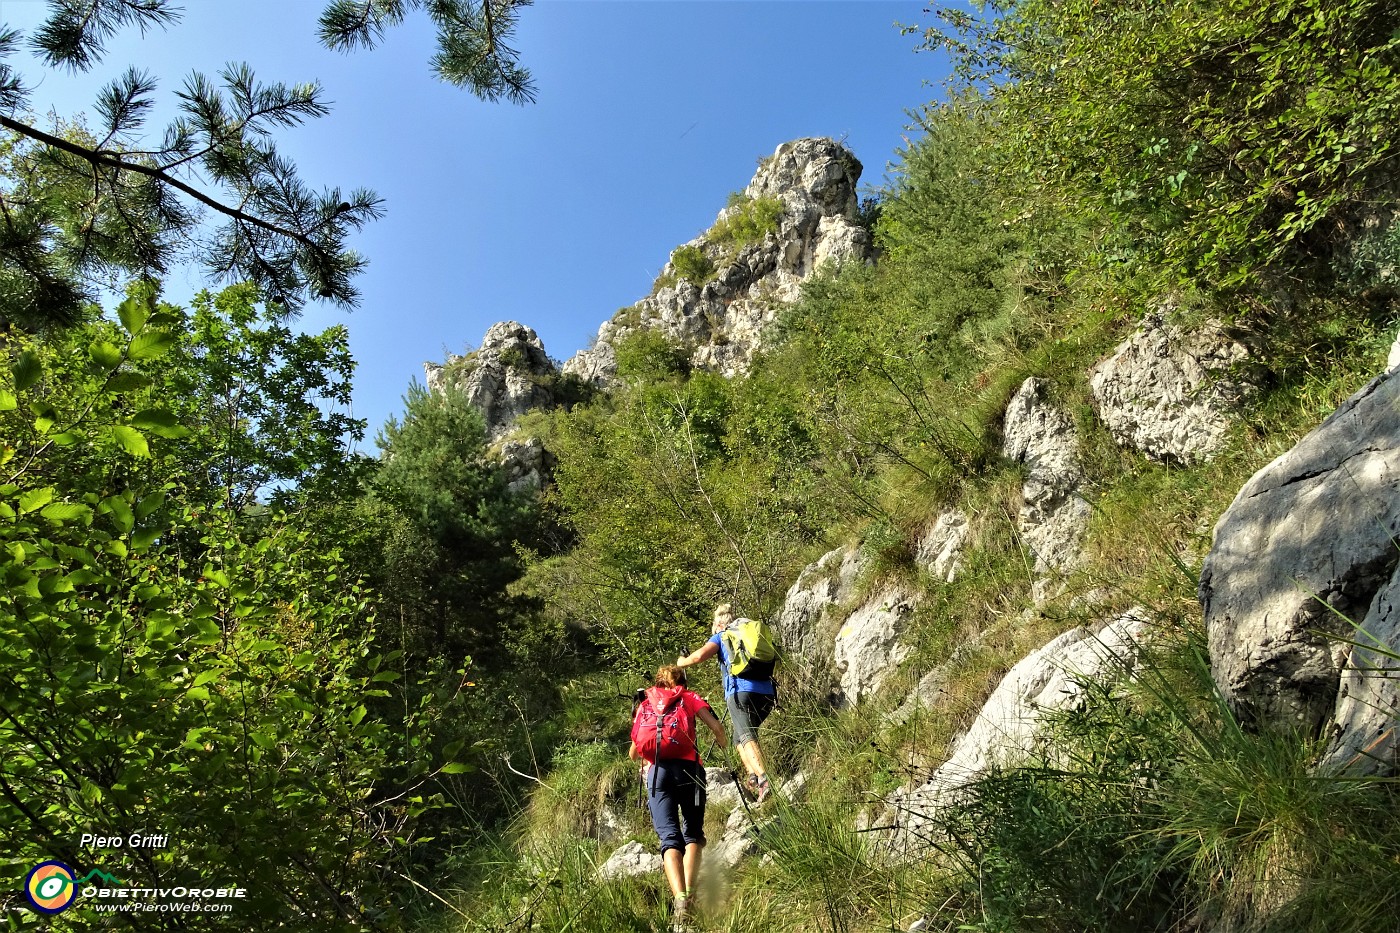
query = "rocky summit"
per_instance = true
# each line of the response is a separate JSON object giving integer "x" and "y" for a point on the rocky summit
{"x": 718, "y": 294}
{"x": 508, "y": 375}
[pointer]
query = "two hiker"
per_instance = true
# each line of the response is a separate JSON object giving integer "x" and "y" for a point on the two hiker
{"x": 663, "y": 734}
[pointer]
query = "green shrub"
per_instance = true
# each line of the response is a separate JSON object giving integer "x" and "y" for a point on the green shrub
{"x": 583, "y": 778}
{"x": 749, "y": 221}
{"x": 1218, "y": 139}
{"x": 649, "y": 355}
{"x": 690, "y": 262}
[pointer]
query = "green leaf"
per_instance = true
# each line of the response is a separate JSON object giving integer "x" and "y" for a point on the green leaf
{"x": 8, "y": 402}
{"x": 128, "y": 382}
{"x": 149, "y": 504}
{"x": 456, "y": 767}
{"x": 133, "y": 313}
{"x": 117, "y": 507}
{"x": 150, "y": 344}
{"x": 144, "y": 538}
{"x": 106, "y": 355}
{"x": 159, "y": 422}
{"x": 51, "y": 585}
{"x": 159, "y": 626}
{"x": 205, "y": 676}
{"x": 34, "y": 499}
{"x": 26, "y": 369}
{"x": 131, "y": 440}
{"x": 60, "y": 512}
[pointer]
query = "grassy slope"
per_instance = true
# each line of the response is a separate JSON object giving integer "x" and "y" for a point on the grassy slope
{"x": 886, "y": 391}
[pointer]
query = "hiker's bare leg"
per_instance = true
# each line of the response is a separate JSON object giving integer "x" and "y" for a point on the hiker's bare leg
{"x": 674, "y": 864}
{"x": 752, "y": 758}
{"x": 693, "y": 851}
{"x": 743, "y": 750}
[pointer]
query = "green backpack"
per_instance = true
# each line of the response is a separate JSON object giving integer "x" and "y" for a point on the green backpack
{"x": 752, "y": 653}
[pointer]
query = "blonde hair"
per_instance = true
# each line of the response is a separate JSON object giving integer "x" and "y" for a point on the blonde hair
{"x": 724, "y": 614}
{"x": 669, "y": 675}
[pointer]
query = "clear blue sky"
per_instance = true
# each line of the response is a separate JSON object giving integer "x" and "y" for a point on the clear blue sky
{"x": 554, "y": 214}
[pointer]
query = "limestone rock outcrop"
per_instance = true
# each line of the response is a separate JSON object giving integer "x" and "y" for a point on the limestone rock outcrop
{"x": 719, "y": 305}
{"x": 629, "y": 861}
{"x": 1010, "y": 727}
{"x": 1363, "y": 736}
{"x": 741, "y": 830}
{"x": 1172, "y": 394}
{"x": 821, "y": 585}
{"x": 1307, "y": 544}
{"x": 508, "y": 375}
{"x": 528, "y": 464}
{"x": 1053, "y": 514}
{"x": 868, "y": 647}
{"x": 939, "y": 550}
{"x": 823, "y": 630}
{"x": 720, "y": 789}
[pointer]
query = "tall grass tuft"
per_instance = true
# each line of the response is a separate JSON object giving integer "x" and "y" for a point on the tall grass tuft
{"x": 1153, "y": 810}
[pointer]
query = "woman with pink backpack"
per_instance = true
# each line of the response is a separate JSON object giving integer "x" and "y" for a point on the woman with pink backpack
{"x": 663, "y": 735}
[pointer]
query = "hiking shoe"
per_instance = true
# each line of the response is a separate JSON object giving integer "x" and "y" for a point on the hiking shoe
{"x": 763, "y": 789}
{"x": 751, "y": 786}
{"x": 680, "y": 915}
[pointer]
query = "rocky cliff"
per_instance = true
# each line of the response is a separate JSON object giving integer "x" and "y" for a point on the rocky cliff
{"x": 718, "y": 293}
{"x": 715, "y": 299}
{"x": 508, "y": 375}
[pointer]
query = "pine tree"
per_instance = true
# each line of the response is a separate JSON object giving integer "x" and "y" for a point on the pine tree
{"x": 84, "y": 204}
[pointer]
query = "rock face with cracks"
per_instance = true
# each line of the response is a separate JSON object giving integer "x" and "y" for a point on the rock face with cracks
{"x": 718, "y": 306}
{"x": 868, "y": 647}
{"x": 1306, "y": 550}
{"x": 1170, "y": 393}
{"x": 939, "y": 550}
{"x": 1053, "y": 514}
{"x": 1010, "y": 727}
{"x": 507, "y": 376}
{"x": 629, "y": 861}
{"x": 821, "y": 585}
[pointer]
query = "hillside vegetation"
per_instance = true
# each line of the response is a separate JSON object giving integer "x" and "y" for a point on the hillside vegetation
{"x": 395, "y": 693}
{"x": 1097, "y": 161}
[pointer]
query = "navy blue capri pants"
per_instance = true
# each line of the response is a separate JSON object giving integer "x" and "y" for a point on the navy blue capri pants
{"x": 676, "y": 798}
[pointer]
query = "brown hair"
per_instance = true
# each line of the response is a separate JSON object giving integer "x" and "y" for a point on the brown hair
{"x": 669, "y": 675}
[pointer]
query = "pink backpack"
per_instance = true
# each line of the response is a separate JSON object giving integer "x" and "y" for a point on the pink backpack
{"x": 664, "y": 727}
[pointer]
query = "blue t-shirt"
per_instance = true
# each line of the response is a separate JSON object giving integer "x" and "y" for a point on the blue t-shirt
{"x": 732, "y": 684}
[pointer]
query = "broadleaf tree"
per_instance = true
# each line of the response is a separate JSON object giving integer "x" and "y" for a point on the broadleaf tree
{"x": 170, "y": 665}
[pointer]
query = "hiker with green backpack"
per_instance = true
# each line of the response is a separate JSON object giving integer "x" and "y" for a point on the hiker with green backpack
{"x": 747, "y": 656}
